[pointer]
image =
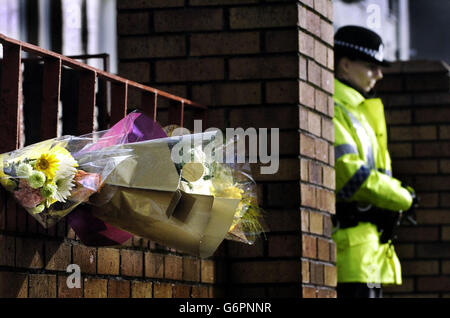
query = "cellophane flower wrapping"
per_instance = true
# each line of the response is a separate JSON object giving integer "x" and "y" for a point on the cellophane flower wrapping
{"x": 50, "y": 178}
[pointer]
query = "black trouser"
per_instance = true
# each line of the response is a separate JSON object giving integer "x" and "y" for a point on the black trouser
{"x": 358, "y": 290}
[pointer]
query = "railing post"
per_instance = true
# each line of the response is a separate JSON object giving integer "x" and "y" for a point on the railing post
{"x": 176, "y": 113}
{"x": 149, "y": 104}
{"x": 50, "y": 98}
{"x": 10, "y": 97}
{"x": 104, "y": 97}
{"x": 86, "y": 102}
{"x": 51, "y": 90}
{"x": 119, "y": 101}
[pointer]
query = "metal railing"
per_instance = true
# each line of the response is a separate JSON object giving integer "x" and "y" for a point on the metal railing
{"x": 11, "y": 94}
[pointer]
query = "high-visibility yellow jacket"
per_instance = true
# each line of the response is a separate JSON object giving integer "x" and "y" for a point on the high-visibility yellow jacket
{"x": 363, "y": 174}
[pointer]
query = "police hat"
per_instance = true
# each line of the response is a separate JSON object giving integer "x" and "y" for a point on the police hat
{"x": 359, "y": 43}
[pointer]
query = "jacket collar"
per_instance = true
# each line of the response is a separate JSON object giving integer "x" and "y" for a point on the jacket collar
{"x": 347, "y": 95}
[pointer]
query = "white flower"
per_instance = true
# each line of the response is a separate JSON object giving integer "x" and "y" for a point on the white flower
{"x": 64, "y": 187}
{"x": 24, "y": 170}
{"x": 66, "y": 167}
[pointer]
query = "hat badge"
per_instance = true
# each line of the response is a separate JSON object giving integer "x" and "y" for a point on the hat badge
{"x": 379, "y": 55}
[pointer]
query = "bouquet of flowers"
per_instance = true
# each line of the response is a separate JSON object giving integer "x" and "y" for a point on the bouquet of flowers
{"x": 133, "y": 184}
{"x": 49, "y": 179}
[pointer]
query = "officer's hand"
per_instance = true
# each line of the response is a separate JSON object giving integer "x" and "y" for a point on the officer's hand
{"x": 410, "y": 214}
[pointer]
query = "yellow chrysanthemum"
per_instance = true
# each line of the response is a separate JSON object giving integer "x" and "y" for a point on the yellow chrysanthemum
{"x": 48, "y": 164}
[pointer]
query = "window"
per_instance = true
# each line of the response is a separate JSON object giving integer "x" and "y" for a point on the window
{"x": 70, "y": 27}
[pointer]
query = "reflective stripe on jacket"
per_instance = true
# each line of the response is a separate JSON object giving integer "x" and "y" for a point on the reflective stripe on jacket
{"x": 363, "y": 174}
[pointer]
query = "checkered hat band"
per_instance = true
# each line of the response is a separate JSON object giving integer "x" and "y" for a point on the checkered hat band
{"x": 371, "y": 52}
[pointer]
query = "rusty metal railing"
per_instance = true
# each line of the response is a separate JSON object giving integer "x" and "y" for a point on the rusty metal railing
{"x": 11, "y": 86}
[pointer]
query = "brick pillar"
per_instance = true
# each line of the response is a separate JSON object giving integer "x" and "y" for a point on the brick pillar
{"x": 255, "y": 64}
{"x": 417, "y": 98}
{"x": 317, "y": 178}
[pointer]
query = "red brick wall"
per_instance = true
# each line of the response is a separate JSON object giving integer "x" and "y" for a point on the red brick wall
{"x": 255, "y": 64}
{"x": 417, "y": 99}
{"x": 317, "y": 178}
{"x": 33, "y": 263}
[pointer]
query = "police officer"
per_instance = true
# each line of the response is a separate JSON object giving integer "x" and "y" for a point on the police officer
{"x": 369, "y": 200}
